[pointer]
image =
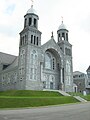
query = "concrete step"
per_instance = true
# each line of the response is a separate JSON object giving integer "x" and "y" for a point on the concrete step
{"x": 63, "y": 93}
{"x": 80, "y": 99}
{"x": 60, "y": 91}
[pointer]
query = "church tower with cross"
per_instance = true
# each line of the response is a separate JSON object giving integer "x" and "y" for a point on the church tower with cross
{"x": 66, "y": 48}
{"x": 38, "y": 67}
{"x": 30, "y": 52}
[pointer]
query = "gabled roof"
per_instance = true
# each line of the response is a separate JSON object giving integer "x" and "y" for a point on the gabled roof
{"x": 13, "y": 65}
{"x": 50, "y": 44}
{"x": 88, "y": 68}
{"x": 77, "y": 73}
{"x": 6, "y": 58}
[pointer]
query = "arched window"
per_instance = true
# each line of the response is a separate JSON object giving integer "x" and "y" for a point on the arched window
{"x": 22, "y": 57}
{"x": 31, "y": 38}
{"x": 25, "y": 23}
{"x": 63, "y": 36}
{"x": 68, "y": 66}
{"x": 31, "y": 58}
{"x": 53, "y": 63}
{"x": 34, "y": 40}
{"x": 25, "y": 39}
{"x": 52, "y": 82}
{"x": 44, "y": 84}
{"x": 21, "y": 41}
{"x": 37, "y": 40}
{"x": 68, "y": 80}
{"x": 48, "y": 62}
{"x": 67, "y": 36}
{"x": 30, "y": 21}
{"x": 58, "y": 37}
{"x": 35, "y": 22}
{"x": 33, "y": 72}
{"x": 34, "y": 57}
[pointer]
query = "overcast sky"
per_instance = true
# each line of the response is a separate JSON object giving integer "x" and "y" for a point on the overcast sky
{"x": 76, "y": 16}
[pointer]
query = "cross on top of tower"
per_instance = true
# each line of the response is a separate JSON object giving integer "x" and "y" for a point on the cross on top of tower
{"x": 32, "y": 1}
{"x": 62, "y": 18}
{"x": 52, "y": 35}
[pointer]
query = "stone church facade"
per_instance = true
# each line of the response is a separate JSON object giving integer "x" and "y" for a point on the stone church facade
{"x": 38, "y": 67}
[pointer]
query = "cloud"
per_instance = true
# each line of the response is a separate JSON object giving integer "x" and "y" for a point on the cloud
{"x": 76, "y": 15}
{"x": 85, "y": 24}
{"x": 8, "y": 30}
{"x": 10, "y": 9}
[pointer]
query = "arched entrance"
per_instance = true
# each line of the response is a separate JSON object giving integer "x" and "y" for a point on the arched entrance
{"x": 51, "y": 69}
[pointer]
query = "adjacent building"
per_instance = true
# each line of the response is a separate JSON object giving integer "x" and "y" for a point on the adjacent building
{"x": 80, "y": 80}
{"x": 88, "y": 80}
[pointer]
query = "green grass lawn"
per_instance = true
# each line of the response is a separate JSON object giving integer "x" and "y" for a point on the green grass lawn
{"x": 27, "y": 98}
{"x": 75, "y": 94}
{"x": 87, "y": 97}
{"x": 30, "y": 93}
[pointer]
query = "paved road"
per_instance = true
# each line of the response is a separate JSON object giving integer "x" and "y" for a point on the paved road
{"x": 64, "y": 112}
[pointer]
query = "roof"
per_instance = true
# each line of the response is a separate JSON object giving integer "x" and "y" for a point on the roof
{"x": 6, "y": 58}
{"x": 88, "y": 68}
{"x": 77, "y": 73}
{"x": 62, "y": 27}
{"x": 32, "y": 10}
{"x": 13, "y": 65}
{"x": 52, "y": 46}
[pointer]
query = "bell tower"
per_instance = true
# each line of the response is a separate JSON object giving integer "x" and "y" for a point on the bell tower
{"x": 66, "y": 48}
{"x": 31, "y": 20}
{"x": 29, "y": 52}
{"x": 31, "y": 29}
{"x": 62, "y": 33}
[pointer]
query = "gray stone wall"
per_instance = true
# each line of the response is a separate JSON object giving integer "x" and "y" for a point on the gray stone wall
{"x": 9, "y": 80}
{"x": 33, "y": 68}
{"x": 80, "y": 85}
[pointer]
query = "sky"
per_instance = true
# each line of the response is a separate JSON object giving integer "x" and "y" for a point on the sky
{"x": 76, "y": 16}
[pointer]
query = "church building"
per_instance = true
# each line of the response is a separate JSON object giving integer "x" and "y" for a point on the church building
{"x": 38, "y": 67}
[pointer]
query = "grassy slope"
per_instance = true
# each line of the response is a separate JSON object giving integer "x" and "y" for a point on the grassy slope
{"x": 87, "y": 97}
{"x": 17, "y": 99}
{"x": 30, "y": 93}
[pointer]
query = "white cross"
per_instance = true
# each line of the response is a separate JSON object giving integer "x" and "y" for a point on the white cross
{"x": 32, "y": 1}
{"x": 62, "y": 18}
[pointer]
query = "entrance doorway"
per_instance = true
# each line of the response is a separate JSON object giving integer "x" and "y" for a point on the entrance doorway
{"x": 51, "y": 85}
